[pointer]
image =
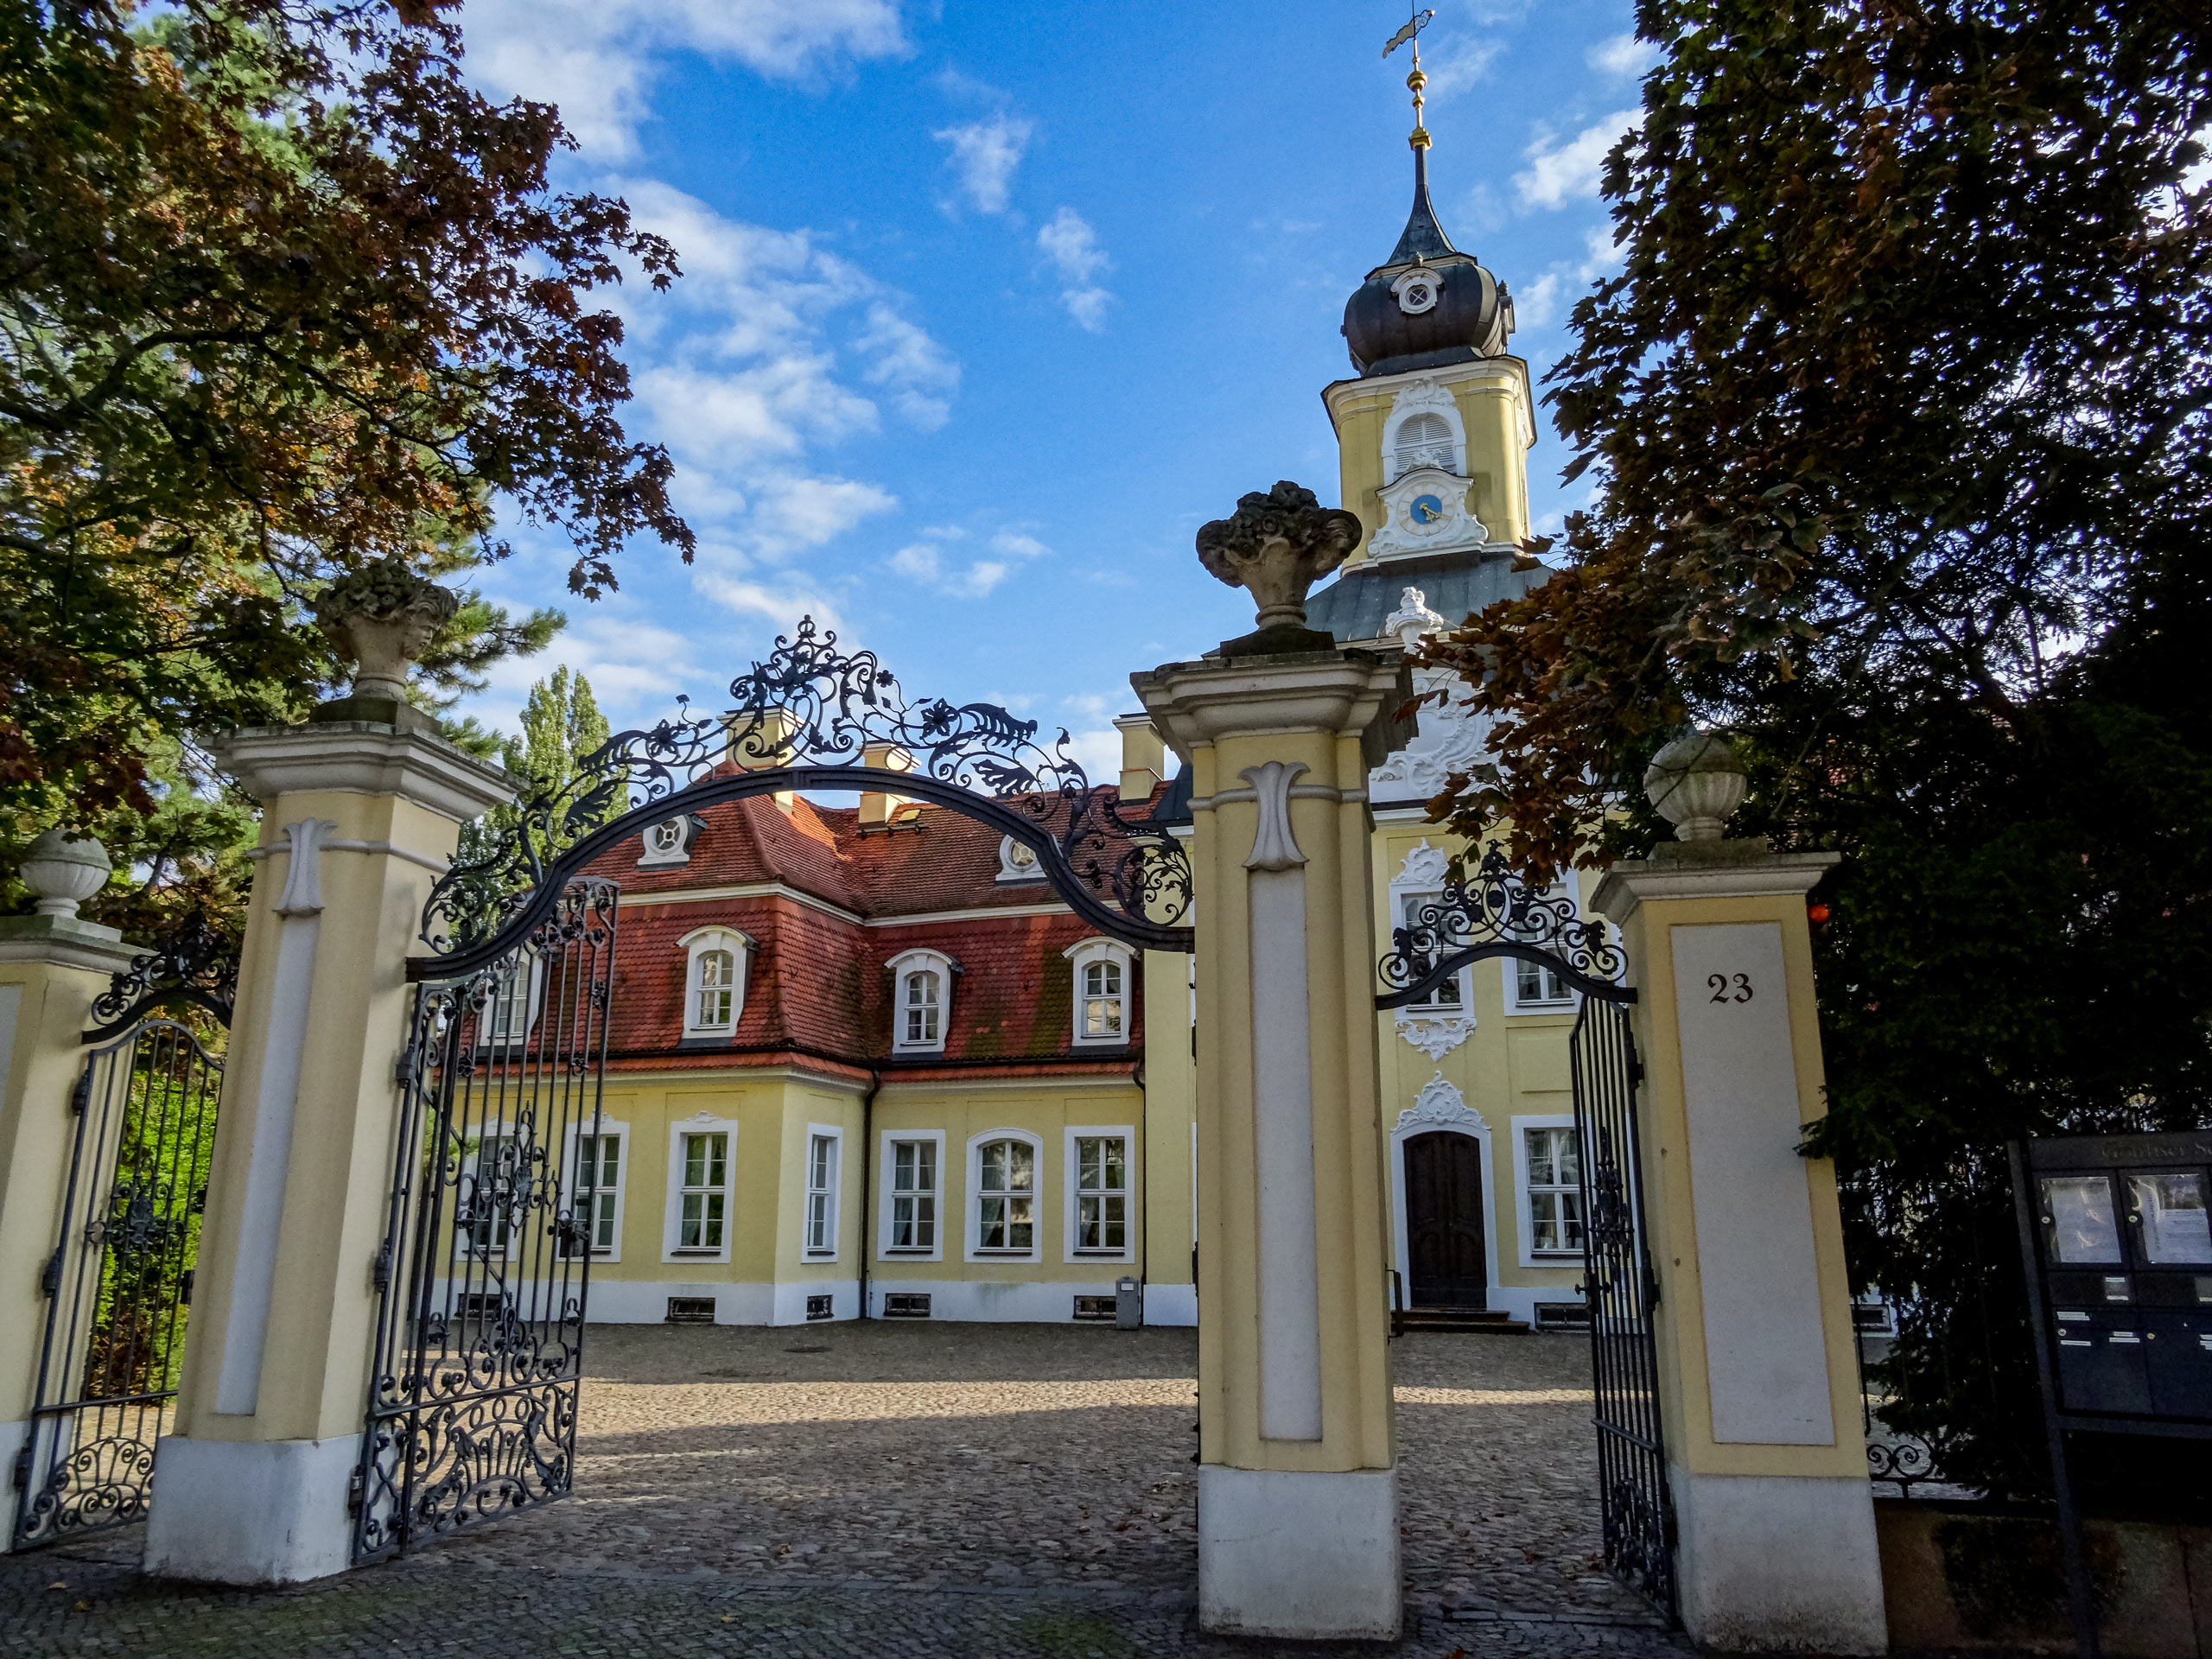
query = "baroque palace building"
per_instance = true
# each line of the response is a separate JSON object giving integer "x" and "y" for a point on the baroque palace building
{"x": 866, "y": 1064}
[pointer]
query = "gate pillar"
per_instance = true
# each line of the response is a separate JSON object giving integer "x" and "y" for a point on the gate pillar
{"x": 359, "y": 816}
{"x": 1757, "y": 1370}
{"x": 1298, "y": 1511}
{"x": 52, "y": 965}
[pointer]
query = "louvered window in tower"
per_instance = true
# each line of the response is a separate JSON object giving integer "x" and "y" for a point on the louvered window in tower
{"x": 1424, "y": 441}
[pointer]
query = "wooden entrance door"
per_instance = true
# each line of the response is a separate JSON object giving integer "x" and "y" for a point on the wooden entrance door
{"x": 1444, "y": 1221}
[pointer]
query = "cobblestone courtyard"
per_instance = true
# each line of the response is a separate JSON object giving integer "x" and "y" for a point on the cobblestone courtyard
{"x": 914, "y": 1488}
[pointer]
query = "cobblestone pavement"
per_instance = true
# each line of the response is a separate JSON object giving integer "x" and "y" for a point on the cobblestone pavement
{"x": 923, "y": 1489}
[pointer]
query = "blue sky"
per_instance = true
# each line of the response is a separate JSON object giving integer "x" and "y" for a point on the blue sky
{"x": 988, "y": 307}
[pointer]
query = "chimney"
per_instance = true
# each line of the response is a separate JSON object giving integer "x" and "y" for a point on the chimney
{"x": 879, "y": 811}
{"x": 756, "y": 744}
{"x": 1144, "y": 757}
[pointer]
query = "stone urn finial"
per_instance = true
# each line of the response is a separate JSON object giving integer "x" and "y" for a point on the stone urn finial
{"x": 1695, "y": 782}
{"x": 1278, "y": 545}
{"x": 64, "y": 869}
{"x": 382, "y": 615}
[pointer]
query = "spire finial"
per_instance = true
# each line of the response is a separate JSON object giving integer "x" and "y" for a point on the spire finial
{"x": 1416, "y": 82}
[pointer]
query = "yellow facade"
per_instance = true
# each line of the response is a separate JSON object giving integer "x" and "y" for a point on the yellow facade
{"x": 1497, "y": 416}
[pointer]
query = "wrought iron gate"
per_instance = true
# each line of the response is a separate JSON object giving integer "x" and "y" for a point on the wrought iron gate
{"x": 487, "y": 1252}
{"x": 1489, "y": 913}
{"x": 118, "y": 1284}
{"x": 1619, "y": 1283}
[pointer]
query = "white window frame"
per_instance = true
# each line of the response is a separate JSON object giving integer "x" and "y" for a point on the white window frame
{"x": 886, "y": 1207}
{"x": 1080, "y": 957}
{"x": 833, "y": 1193}
{"x": 1418, "y": 400}
{"x": 488, "y": 1040}
{"x": 1402, "y": 902}
{"x": 971, "y": 1202}
{"x": 668, "y": 843}
{"x": 610, "y": 1130}
{"x": 1569, "y": 889}
{"x": 1127, "y": 1135}
{"x": 1012, "y": 872}
{"x": 902, "y": 967}
{"x": 694, "y": 945}
{"x": 498, "y": 1130}
{"x": 1523, "y": 1212}
{"x": 672, "y": 1202}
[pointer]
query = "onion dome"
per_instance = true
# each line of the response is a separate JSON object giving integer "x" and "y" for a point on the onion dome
{"x": 1428, "y": 305}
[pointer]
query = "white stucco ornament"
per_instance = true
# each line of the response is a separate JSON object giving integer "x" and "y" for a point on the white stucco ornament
{"x": 1412, "y": 620}
{"x": 64, "y": 869}
{"x": 1433, "y": 1033}
{"x": 1695, "y": 782}
{"x": 303, "y": 894}
{"x": 1425, "y": 510}
{"x": 1441, "y": 1106}
{"x": 1417, "y": 291}
{"x": 1274, "y": 846}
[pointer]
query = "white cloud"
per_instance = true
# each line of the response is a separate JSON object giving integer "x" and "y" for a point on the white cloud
{"x": 770, "y": 409}
{"x": 636, "y": 667}
{"x": 925, "y": 561}
{"x": 1621, "y": 56}
{"x": 920, "y": 374}
{"x": 1561, "y": 170}
{"x": 782, "y": 605}
{"x": 1537, "y": 305}
{"x": 597, "y": 59}
{"x": 1453, "y": 68}
{"x": 1604, "y": 254}
{"x": 1072, "y": 247}
{"x": 984, "y": 156}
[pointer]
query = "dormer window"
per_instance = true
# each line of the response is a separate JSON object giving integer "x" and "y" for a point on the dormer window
{"x": 714, "y": 981}
{"x": 668, "y": 843}
{"x": 1424, "y": 440}
{"x": 1018, "y": 861}
{"x": 921, "y": 1001}
{"x": 1101, "y": 993}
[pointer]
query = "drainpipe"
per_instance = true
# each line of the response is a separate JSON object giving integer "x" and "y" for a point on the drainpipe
{"x": 867, "y": 1165}
{"x": 1144, "y": 1241}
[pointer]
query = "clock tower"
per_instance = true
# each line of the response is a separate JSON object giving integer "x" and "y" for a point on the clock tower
{"x": 1432, "y": 431}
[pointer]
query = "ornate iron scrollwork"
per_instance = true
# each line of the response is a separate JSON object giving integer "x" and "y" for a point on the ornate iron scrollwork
{"x": 193, "y": 964}
{"x": 806, "y": 718}
{"x": 1494, "y": 914}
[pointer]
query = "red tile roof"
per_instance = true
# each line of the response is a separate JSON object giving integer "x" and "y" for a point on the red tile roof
{"x": 818, "y": 991}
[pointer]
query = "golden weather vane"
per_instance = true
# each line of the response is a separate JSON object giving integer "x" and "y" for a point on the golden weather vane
{"x": 1410, "y": 32}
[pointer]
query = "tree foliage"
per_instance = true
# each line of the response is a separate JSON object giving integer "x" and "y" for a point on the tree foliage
{"x": 280, "y": 294}
{"x": 1897, "y": 414}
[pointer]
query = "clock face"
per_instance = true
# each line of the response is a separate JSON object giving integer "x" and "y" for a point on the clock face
{"x": 1427, "y": 510}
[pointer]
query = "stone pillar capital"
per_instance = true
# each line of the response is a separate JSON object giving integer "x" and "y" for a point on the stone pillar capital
{"x": 363, "y": 758}
{"x": 1344, "y": 693}
{"x": 64, "y": 942}
{"x": 1706, "y": 869}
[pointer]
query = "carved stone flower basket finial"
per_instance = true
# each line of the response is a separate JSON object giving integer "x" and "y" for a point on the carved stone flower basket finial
{"x": 381, "y": 615}
{"x": 1278, "y": 545}
{"x": 1695, "y": 783}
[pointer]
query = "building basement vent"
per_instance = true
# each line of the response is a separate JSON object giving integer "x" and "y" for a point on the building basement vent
{"x": 906, "y": 1305}
{"x": 820, "y": 1307}
{"x": 1096, "y": 1307}
{"x": 1562, "y": 1316}
{"x": 690, "y": 1310}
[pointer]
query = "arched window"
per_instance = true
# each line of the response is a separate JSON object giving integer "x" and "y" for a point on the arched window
{"x": 714, "y": 981}
{"x": 1101, "y": 993}
{"x": 1005, "y": 1196}
{"x": 921, "y": 1009}
{"x": 921, "y": 1000}
{"x": 1424, "y": 440}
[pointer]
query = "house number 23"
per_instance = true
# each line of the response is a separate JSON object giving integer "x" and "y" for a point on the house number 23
{"x": 1722, "y": 992}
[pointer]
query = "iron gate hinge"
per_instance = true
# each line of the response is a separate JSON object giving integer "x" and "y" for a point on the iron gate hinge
{"x": 81, "y": 1095}
{"x": 50, "y": 1281}
{"x": 403, "y": 1073}
{"x": 354, "y": 1486}
{"x": 1635, "y": 1071}
{"x": 21, "y": 1475}
{"x": 380, "y": 1270}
